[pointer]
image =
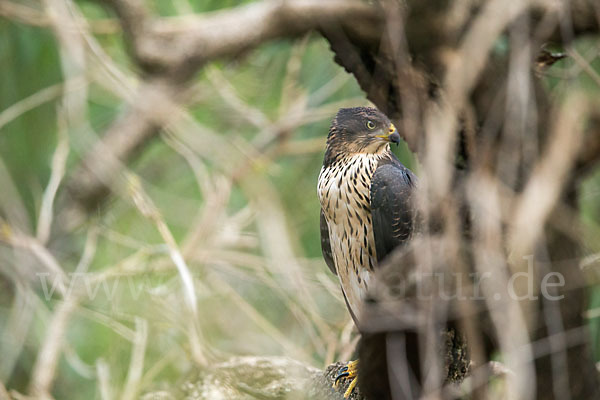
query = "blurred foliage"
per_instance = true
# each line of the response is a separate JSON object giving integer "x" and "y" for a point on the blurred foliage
{"x": 273, "y": 80}
{"x": 29, "y": 62}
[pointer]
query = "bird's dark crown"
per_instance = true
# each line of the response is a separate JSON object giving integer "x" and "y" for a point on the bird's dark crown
{"x": 357, "y": 130}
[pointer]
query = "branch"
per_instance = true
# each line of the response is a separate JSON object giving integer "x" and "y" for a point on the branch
{"x": 173, "y": 49}
{"x": 263, "y": 378}
{"x": 182, "y": 45}
{"x": 152, "y": 107}
{"x": 580, "y": 17}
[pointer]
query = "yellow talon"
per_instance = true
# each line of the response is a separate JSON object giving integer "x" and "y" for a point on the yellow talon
{"x": 350, "y": 371}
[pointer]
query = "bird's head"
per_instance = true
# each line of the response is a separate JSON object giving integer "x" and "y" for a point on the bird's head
{"x": 360, "y": 130}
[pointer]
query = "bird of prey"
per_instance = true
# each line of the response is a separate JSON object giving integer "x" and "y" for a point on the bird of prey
{"x": 366, "y": 208}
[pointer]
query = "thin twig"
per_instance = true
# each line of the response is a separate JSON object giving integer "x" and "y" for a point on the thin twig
{"x": 136, "y": 363}
{"x": 44, "y": 368}
{"x": 59, "y": 161}
{"x": 35, "y": 100}
{"x": 104, "y": 382}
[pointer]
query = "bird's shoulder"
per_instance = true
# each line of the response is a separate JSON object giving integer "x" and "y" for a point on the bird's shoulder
{"x": 390, "y": 171}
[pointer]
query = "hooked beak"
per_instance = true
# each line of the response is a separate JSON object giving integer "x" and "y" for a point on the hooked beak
{"x": 392, "y": 135}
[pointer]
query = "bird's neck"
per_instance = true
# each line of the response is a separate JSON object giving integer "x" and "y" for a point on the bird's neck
{"x": 334, "y": 155}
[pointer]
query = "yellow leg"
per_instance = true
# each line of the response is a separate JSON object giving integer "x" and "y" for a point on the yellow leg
{"x": 350, "y": 371}
{"x": 351, "y": 387}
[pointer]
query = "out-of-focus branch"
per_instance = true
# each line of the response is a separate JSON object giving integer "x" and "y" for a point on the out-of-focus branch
{"x": 59, "y": 161}
{"x": 30, "y": 15}
{"x": 463, "y": 71}
{"x": 546, "y": 183}
{"x": 173, "y": 49}
{"x": 580, "y": 17}
{"x": 136, "y": 363}
{"x": 147, "y": 208}
{"x": 100, "y": 168}
{"x": 19, "y": 240}
{"x": 185, "y": 44}
{"x": 433, "y": 34}
{"x": 44, "y": 370}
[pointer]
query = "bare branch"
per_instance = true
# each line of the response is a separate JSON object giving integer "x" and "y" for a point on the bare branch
{"x": 44, "y": 369}
{"x": 17, "y": 239}
{"x": 101, "y": 166}
{"x": 177, "y": 47}
{"x": 546, "y": 183}
{"x": 103, "y": 374}
{"x": 27, "y": 14}
{"x": 29, "y": 103}
{"x": 190, "y": 42}
{"x": 59, "y": 161}
{"x": 136, "y": 363}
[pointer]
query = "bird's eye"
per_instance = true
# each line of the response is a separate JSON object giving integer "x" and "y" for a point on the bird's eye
{"x": 370, "y": 125}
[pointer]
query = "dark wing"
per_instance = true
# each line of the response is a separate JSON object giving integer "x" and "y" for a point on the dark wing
{"x": 392, "y": 208}
{"x": 325, "y": 245}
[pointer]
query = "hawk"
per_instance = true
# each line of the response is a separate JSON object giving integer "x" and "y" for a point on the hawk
{"x": 366, "y": 208}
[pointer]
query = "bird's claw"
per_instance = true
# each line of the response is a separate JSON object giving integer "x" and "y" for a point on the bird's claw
{"x": 350, "y": 371}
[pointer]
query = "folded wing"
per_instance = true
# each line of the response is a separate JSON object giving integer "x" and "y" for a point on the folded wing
{"x": 392, "y": 209}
